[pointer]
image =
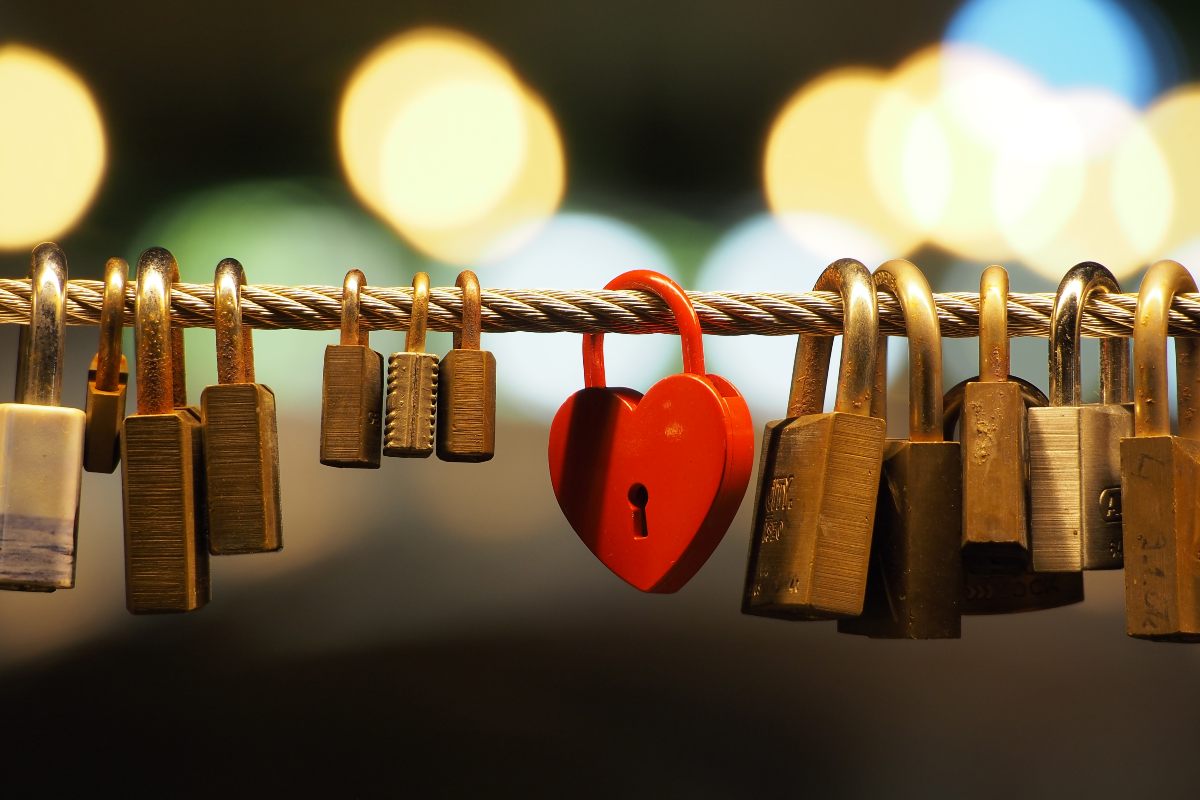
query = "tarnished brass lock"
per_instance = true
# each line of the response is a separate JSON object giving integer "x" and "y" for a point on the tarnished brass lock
{"x": 995, "y": 523}
{"x": 162, "y": 460}
{"x": 915, "y": 583}
{"x": 1075, "y": 450}
{"x": 41, "y": 445}
{"x": 1009, "y": 586}
{"x": 352, "y": 390}
{"x": 466, "y": 414}
{"x": 412, "y": 385}
{"x": 241, "y": 441}
{"x": 108, "y": 377}
{"x": 819, "y": 474}
{"x": 1160, "y": 486}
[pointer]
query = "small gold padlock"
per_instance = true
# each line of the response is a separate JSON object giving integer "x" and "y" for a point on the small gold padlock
{"x": 162, "y": 460}
{"x": 412, "y": 385}
{"x": 108, "y": 377}
{"x": 241, "y": 441}
{"x": 466, "y": 414}
{"x": 352, "y": 389}
{"x": 1160, "y": 473}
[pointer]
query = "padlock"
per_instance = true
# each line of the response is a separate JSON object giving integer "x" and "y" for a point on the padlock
{"x": 819, "y": 473}
{"x": 995, "y": 522}
{"x": 41, "y": 445}
{"x": 466, "y": 413}
{"x": 241, "y": 442}
{"x": 352, "y": 389}
{"x": 916, "y": 578}
{"x": 650, "y": 483}
{"x": 162, "y": 459}
{"x": 412, "y": 385}
{"x": 108, "y": 377}
{"x": 1161, "y": 473}
{"x": 1074, "y": 449}
{"x": 1009, "y": 586}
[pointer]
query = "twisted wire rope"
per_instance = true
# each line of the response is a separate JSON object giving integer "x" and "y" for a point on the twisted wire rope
{"x": 269, "y": 306}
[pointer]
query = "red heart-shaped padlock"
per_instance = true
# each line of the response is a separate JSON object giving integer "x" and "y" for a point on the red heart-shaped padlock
{"x": 651, "y": 483}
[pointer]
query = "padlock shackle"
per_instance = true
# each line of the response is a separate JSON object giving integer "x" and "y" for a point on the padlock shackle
{"x": 353, "y": 332}
{"x": 903, "y": 281}
{"x": 418, "y": 319}
{"x": 468, "y": 333}
{"x": 1066, "y": 326}
{"x": 112, "y": 322}
{"x": 158, "y": 345}
{"x": 860, "y": 334}
{"x": 994, "y": 349}
{"x": 686, "y": 319}
{"x": 235, "y": 342}
{"x": 1151, "y": 412}
{"x": 43, "y": 347}
{"x": 952, "y": 403}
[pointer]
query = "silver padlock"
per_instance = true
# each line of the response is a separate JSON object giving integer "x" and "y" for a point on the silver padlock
{"x": 41, "y": 446}
{"x": 1074, "y": 449}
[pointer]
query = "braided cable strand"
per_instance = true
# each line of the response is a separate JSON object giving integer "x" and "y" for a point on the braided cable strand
{"x": 594, "y": 311}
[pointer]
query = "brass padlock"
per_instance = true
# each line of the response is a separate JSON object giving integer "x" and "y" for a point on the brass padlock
{"x": 352, "y": 389}
{"x": 108, "y": 377}
{"x": 241, "y": 441}
{"x": 1160, "y": 482}
{"x": 1009, "y": 586}
{"x": 1075, "y": 450}
{"x": 819, "y": 474}
{"x": 162, "y": 459}
{"x": 41, "y": 445}
{"x": 915, "y": 583}
{"x": 466, "y": 413}
{"x": 995, "y": 520}
{"x": 412, "y": 385}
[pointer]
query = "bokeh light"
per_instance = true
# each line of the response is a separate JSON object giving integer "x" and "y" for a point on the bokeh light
{"x": 52, "y": 147}
{"x": 441, "y": 139}
{"x": 1173, "y": 122}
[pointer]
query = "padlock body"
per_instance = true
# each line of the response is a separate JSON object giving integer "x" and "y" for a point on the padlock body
{"x": 915, "y": 582}
{"x": 104, "y": 412}
{"x": 166, "y": 548}
{"x": 412, "y": 392}
{"x": 994, "y": 519}
{"x": 813, "y": 516}
{"x": 1075, "y": 486}
{"x": 1161, "y": 496}
{"x": 466, "y": 413}
{"x": 241, "y": 467}
{"x": 41, "y": 457}
{"x": 352, "y": 407}
{"x": 1018, "y": 590}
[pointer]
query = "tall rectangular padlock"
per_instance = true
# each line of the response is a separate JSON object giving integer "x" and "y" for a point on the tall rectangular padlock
{"x": 162, "y": 460}
{"x": 1075, "y": 450}
{"x": 41, "y": 446}
{"x": 819, "y": 473}
{"x": 108, "y": 378}
{"x": 466, "y": 414}
{"x": 412, "y": 386}
{"x": 352, "y": 389}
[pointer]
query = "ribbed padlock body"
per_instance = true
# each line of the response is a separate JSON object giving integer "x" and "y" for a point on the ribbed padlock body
{"x": 1075, "y": 486}
{"x": 466, "y": 412}
{"x": 1161, "y": 495}
{"x": 241, "y": 466}
{"x": 915, "y": 582}
{"x": 166, "y": 547}
{"x": 813, "y": 516}
{"x": 41, "y": 458}
{"x": 994, "y": 512}
{"x": 352, "y": 407}
{"x": 412, "y": 393}
{"x": 104, "y": 412}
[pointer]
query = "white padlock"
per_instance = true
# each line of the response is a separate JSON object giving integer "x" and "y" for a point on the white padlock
{"x": 41, "y": 445}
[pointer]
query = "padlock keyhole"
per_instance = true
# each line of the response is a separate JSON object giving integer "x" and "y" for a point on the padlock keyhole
{"x": 638, "y": 497}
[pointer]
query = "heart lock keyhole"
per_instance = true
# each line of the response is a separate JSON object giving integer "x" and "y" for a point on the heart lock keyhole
{"x": 638, "y": 497}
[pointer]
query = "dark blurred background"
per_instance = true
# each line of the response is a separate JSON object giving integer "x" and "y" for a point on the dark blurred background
{"x": 438, "y": 628}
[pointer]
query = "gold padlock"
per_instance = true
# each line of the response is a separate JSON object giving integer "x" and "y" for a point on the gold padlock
{"x": 1160, "y": 473}
{"x": 108, "y": 377}
{"x": 915, "y": 582}
{"x": 352, "y": 389}
{"x": 466, "y": 414}
{"x": 412, "y": 385}
{"x": 819, "y": 473}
